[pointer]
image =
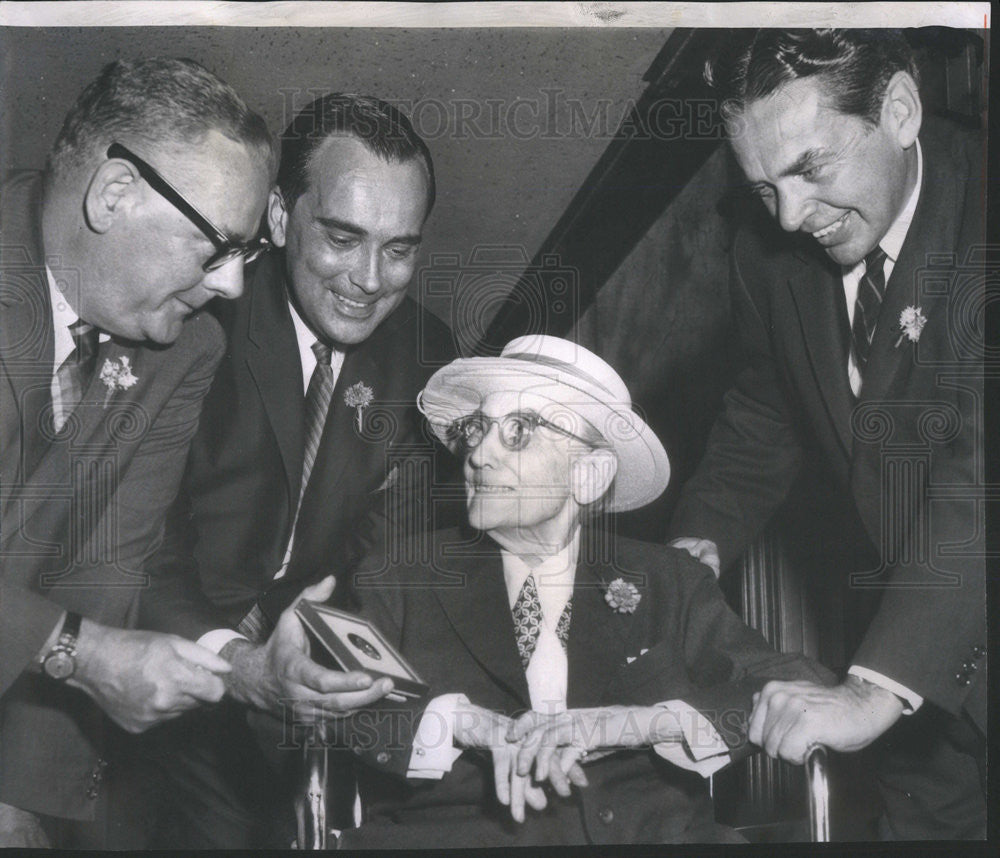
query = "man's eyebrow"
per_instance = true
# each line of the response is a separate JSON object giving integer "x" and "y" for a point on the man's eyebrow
{"x": 806, "y": 160}
{"x": 354, "y": 229}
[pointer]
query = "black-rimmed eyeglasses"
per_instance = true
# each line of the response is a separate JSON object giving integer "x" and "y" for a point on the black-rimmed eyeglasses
{"x": 226, "y": 248}
{"x": 516, "y": 430}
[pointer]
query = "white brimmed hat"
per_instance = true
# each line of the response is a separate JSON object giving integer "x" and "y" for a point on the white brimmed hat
{"x": 574, "y": 378}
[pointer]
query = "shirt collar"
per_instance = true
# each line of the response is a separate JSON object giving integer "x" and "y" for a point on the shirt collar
{"x": 303, "y": 333}
{"x": 556, "y": 573}
{"x": 63, "y": 316}
{"x": 892, "y": 241}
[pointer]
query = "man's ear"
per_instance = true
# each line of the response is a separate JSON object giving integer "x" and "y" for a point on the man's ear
{"x": 108, "y": 194}
{"x": 591, "y": 476}
{"x": 902, "y": 112}
{"x": 277, "y": 216}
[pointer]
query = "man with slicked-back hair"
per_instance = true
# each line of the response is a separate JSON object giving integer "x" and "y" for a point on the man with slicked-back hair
{"x": 282, "y": 496}
{"x": 861, "y": 319}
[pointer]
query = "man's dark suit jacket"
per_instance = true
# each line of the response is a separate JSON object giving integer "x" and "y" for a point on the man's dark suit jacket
{"x": 451, "y": 620}
{"x": 908, "y": 453}
{"x": 80, "y": 511}
{"x": 227, "y": 533}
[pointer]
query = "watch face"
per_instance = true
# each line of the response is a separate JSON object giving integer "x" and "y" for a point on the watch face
{"x": 60, "y": 665}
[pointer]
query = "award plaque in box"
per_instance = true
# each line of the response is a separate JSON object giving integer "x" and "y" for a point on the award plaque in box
{"x": 344, "y": 641}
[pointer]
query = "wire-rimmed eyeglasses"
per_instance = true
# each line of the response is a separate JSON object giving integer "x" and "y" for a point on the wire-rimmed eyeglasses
{"x": 226, "y": 248}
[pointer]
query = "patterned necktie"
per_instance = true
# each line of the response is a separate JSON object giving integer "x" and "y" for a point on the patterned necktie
{"x": 75, "y": 372}
{"x": 527, "y": 613}
{"x": 871, "y": 289}
{"x": 318, "y": 396}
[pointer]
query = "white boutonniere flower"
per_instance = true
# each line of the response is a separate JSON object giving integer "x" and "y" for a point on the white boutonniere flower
{"x": 117, "y": 375}
{"x": 622, "y": 596}
{"x": 359, "y": 396}
{"x": 911, "y": 323}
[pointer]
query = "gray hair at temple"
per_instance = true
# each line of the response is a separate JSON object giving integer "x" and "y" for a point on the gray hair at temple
{"x": 161, "y": 101}
{"x": 854, "y": 67}
{"x": 383, "y": 129}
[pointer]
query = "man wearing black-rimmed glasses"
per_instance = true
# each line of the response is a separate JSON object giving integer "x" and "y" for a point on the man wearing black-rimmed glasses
{"x": 147, "y": 209}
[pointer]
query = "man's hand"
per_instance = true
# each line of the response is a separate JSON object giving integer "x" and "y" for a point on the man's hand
{"x": 700, "y": 549}
{"x": 476, "y": 727}
{"x": 789, "y": 717}
{"x": 554, "y": 744}
{"x": 20, "y": 829}
{"x": 280, "y": 672}
{"x": 142, "y": 678}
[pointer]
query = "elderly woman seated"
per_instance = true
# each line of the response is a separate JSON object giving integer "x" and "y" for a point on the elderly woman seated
{"x": 583, "y": 685}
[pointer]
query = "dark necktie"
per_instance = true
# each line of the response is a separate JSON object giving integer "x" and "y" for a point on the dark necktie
{"x": 527, "y": 612}
{"x": 871, "y": 289}
{"x": 75, "y": 372}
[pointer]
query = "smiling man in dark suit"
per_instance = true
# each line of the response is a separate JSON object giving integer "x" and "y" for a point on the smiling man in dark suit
{"x": 286, "y": 485}
{"x": 862, "y": 342}
{"x": 147, "y": 209}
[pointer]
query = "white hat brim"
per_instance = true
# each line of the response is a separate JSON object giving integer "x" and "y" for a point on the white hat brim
{"x": 459, "y": 388}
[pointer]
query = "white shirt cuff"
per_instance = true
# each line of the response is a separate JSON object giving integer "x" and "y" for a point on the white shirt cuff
{"x": 911, "y": 701}
{"x": 703, "y": 750}
{"x": 434, "y": 751}
{"x": 216, "y": 639}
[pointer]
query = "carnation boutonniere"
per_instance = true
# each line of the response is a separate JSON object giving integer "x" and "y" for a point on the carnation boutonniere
{"x": 911, "y": 323}
{"x": 622, "y": 596}
{"x": 117, "y": 375}
{"x": 359, "y": 396}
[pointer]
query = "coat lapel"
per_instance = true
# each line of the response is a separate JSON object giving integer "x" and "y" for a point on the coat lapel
{"x": 340, "y": 445}
{"x": 26, "y": 339}
{"x": 479, "y": 612}
{"x": 934, "y": 228}
{"x": 273, "y": 361}
{"x": 818, "y": 293}
{"x": 597, "y": 637}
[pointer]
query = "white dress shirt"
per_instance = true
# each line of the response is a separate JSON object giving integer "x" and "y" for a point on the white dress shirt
{"x": 891, "y": 243}
{"x": 63, "y": 318}
{"x": 434, "y": 750}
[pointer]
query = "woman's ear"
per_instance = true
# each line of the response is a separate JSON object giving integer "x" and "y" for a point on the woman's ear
{"x": 592, "y": 475}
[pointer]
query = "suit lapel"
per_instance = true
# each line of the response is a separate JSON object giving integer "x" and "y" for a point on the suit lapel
{"x": 273, "y": 360}
{"x": 480, "y": 614}
{"x": 26, "y": 339}
{"x": 933, "y": 228}
{"x": 817, "y": 290}
{"x": 597, "y": 637}
{"x": 340, "y": 444}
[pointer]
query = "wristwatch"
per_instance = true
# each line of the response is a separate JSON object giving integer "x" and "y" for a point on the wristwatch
{"x": 60, "y": 661}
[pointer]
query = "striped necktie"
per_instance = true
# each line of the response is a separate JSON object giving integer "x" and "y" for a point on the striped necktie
{"x": 75, "y": 372}
{"x": 871, "y": 290}
{"x": 255, "y": 625}
{"x": 318, "y": 396}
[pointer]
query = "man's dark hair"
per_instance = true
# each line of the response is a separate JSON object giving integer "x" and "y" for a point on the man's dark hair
{"x": 853, "y": 66}
{"x": 384, "y": 131}
{"x": 158, "y": 102}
